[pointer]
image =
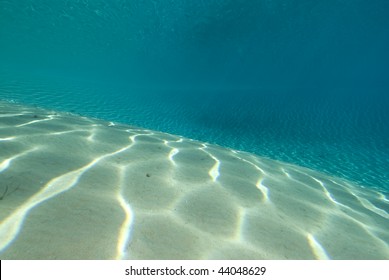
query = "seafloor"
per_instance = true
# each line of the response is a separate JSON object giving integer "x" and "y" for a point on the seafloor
{"x": 78, "y": 188}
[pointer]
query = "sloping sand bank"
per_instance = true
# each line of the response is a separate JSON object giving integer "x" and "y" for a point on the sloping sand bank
{"x": 79, "y": 188}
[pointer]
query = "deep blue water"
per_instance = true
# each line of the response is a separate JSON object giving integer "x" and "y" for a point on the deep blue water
{"x": 302, "y": 81}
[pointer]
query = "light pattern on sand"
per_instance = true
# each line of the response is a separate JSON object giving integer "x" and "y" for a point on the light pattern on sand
{"x": 77, "y": 188}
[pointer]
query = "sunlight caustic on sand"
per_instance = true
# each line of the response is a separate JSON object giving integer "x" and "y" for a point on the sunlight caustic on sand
{"x": 79, "y": 188}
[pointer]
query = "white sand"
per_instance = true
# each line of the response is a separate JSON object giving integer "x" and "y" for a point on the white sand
{"x": 77, "y": 188}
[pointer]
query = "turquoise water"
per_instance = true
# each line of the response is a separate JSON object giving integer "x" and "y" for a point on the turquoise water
{"x": 299, "y": 81}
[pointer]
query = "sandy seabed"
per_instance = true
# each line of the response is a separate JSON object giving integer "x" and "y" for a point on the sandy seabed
{"x": 78, "y": 188}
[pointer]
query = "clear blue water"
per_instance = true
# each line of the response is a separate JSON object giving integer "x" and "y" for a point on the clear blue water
{"x": 300, "y": 81}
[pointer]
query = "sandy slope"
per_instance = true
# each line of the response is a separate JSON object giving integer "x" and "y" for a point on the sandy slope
{"x": 78, "y": 188}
